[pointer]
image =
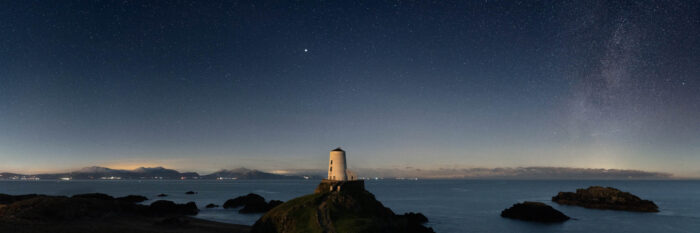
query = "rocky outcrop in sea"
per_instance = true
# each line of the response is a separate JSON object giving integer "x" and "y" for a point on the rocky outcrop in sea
{"x": 252, "y": 203}
{"x": 596, "y": 197}
{"x": 534, "y": 211}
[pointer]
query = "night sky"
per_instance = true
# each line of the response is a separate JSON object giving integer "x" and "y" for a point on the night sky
{"x": 276, "y": 85}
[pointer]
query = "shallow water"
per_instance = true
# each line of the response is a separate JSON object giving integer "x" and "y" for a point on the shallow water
{"x": 451, "y": 205}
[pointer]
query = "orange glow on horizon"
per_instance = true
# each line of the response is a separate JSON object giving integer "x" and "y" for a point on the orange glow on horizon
{"x": 131, "y": 165}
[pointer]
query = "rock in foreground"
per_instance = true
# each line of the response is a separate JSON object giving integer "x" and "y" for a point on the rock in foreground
{"x": 337, "y": 207}
{"x": 102, "y": 213}
{"x": 163, "y": 207}
{"x": 8, "y": 199}
{"x": 252, "y": 203}
{"x": 597, "y": 197}
{"x": 133, "y": 198}
{"x": 534, "y": 211}
{"x": 251, "y": 198}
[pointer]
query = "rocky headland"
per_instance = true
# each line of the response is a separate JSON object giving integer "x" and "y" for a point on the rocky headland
{"x": 534, "y": 211}
{"x": 596, "y": 197}
{"x": 338, "y": 206}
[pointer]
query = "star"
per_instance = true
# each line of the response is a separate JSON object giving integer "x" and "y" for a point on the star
{"x": 306, "y": 50}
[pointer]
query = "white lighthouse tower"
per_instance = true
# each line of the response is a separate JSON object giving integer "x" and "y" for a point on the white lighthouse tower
{"x": 337, "y": 168}
{"x": 339, "y": 177}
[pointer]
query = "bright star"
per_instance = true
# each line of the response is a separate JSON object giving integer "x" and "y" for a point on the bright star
{"x": 306, "y": 50}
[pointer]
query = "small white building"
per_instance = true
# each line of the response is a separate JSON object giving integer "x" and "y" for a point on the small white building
{"x": 337, "y": 167}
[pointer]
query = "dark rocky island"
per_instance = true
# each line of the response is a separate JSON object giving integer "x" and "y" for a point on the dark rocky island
{"x": 96, "y": 212}
{"x": 596, "y": 197}
{"x": 338, "y": 206}
{"x": 252, "y": 203}
{"x": 534, "y": 211}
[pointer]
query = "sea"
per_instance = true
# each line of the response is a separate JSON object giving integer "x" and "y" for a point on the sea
{"x": 451, "y": 205}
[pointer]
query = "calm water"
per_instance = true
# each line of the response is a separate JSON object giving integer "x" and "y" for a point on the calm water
{"x": 451, "y": 205}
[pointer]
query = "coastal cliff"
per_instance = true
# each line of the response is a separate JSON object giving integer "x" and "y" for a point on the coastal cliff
{"x": 337, "y": 206}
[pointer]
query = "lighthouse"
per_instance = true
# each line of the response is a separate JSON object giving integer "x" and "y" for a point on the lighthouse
{"x": 339, "y": 177}
{"x": 337, "y": 167}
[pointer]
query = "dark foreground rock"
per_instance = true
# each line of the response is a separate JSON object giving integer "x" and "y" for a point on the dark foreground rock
{"x": 163, "y": 207}
{"x": 174, "y": 221}
{"x": 7, "y": 199}
{"x": 100, "y": 196}
{"x": 100, "y": 213}
{"x": 190, "y": 192}
{"x": 93, "y": 205}
{"x": 337, "y": 207}
{"x": 212, "y": 205}
{"x": 162, "y": 195}
{"x": 597, "y": 197}
{"x": 243, "y": 200}
{"x": 252, "y": 203}
{"x": 132, "y": 198}
{"x": 534, "y": 211}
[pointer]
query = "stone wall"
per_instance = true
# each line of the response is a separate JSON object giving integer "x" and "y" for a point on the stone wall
{"x": 340, "y": 186}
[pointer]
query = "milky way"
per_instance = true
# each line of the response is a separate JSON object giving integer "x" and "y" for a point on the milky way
{"x": 626, "y": 95}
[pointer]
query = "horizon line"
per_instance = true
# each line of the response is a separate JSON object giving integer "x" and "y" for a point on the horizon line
{"x": 307, "y": 171}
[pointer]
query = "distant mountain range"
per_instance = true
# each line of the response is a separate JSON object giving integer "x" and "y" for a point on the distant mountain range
{"x": 96, "y": 173}
{"x": 148, "y": 173}
{"x": 247, "y": 174}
